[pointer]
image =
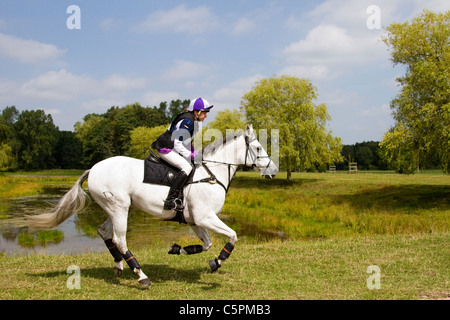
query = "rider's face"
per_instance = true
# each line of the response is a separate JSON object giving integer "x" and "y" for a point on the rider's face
{"x": 202, "y": 116}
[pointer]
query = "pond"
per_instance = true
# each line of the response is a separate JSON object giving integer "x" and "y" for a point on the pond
{"x": 78, "y": 234}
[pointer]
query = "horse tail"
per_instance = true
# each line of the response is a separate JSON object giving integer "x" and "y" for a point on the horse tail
{"x": 72, "y": 202}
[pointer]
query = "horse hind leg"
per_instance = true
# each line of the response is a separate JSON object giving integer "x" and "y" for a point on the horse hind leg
{"x": 119, "y": 238}
{"x": 106, "y": 232}
{"x": 117, "y": 209}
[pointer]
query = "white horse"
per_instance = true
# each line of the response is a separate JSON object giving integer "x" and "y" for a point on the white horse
{"x": 116, "y": 185}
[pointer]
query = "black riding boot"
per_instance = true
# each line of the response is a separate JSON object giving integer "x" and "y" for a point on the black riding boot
{"x": 172, "y": 202}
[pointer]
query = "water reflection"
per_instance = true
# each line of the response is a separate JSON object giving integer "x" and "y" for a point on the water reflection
{"x": 78, "y": 234}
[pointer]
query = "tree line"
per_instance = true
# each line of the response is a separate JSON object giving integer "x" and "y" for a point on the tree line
{"x": 30, "y": 140}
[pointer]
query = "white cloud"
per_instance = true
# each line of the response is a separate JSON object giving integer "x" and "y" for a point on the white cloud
{"x": 110, "y": 24}
{"x": 183, "y": 69}
{"x": 342, "y": 99}
{"x": 100, "y": 105}
{"x": 329, "y": 44}
{"x": 376, "y": 111}
{"x": 58, "y": 85}
{"x": 118, "y": 82}
{"x": 230, "y": 95}
{"x": 6, "y": 87}
{"x": 28, "y": 51}
{"x": 293, "y": 23}
{"x": 153, "y": 98}
{"x": 352, "y": 14}
{"x": 179, "y": 20}
{"x": 433, "y": 5}
{"x": 329, "y": 51}
{"x": 53, "y": 112}
{"x": 65, "y": 86}
{"x": 243, "y": 25}
{"x": 313, "y": 72}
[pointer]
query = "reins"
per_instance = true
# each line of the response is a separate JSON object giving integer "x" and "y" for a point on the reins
{"x": 212, "y": 178}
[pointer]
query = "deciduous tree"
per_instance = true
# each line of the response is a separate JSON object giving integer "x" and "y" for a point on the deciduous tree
{"x": 287, "y": 104}
{"x": 37, "y": 136}
{"x": 422, "y": 108}
{"x": 142, "y": 138}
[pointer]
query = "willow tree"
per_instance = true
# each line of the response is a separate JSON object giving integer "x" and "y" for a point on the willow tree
{"x": 422, "y": 108}
{"x": 288, "y": 104}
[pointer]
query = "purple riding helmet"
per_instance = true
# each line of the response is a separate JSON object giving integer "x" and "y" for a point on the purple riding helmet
{"x": 200, "y": 104}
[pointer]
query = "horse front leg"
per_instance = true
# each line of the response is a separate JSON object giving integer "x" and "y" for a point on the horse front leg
{"x": 202, "y": 234}
{"x": 214, "y": 224}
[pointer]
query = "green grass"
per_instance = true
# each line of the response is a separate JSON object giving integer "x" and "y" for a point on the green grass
{"x": 335, "y": 227}
{"x": 325, "y": 205}
{"x": 411, "y": 267}
{"x": 19, "y": 184}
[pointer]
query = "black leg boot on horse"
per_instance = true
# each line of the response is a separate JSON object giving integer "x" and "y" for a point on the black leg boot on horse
{"x": 173, "y": 202}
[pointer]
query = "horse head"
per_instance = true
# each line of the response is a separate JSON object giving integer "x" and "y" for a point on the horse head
{"x": 256, "y": 156}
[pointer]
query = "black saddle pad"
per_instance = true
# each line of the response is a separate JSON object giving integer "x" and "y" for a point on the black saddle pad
{"x": 157, "y": 171}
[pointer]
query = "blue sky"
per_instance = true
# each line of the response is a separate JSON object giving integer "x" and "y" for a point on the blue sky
{"x": 153, "y": 51}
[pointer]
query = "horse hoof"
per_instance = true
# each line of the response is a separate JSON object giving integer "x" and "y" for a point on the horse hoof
{"x": 175, "y": 249}
{"x": 118, "y": 271}
{"x": 145, "y": 282}
{"x": 214, "y": 265}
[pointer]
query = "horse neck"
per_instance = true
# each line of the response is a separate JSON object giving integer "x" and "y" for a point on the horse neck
{"x": 225, "y": 160}
{"x": 230, "y": 152}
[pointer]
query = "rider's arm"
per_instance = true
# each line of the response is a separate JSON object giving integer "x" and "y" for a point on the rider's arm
{"x": 180, "y": 135}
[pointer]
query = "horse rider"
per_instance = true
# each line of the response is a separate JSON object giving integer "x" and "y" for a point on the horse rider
{"x": 175, "y": 147}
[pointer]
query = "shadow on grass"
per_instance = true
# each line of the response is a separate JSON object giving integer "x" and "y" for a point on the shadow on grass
{"x": 405, "y": 198}
{"x": 157, "y": 273}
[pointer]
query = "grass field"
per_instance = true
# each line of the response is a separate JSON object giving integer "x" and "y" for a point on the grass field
{"x": 325, "y": 205}
{"x": 325, "y": 231}
{"x": 411, "y": 267}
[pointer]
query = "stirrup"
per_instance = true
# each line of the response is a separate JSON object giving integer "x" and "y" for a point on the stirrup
{"x": 174, "y": 204}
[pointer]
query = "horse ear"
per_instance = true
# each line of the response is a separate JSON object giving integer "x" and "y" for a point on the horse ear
{"x": 249, "y": 130}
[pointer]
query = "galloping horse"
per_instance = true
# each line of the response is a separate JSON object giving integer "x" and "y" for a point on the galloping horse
{"x": 116, "y": 184}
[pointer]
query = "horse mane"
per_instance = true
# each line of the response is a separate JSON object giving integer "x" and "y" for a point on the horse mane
{"x": 211, "y": 148}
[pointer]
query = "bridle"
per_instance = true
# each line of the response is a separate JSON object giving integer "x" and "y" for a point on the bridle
{"x": 254, "y": 158}
{"x": 253, "y": 154}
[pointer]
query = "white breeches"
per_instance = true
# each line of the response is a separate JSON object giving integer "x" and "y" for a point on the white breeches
{"x": 177, "y": 160}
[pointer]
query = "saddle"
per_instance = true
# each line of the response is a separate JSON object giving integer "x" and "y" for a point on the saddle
{"x": 157, "y": 171}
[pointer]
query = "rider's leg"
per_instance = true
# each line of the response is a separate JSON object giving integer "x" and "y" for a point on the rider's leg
{"x": 171, "y": 201}
{"x": 181, "y": 163}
